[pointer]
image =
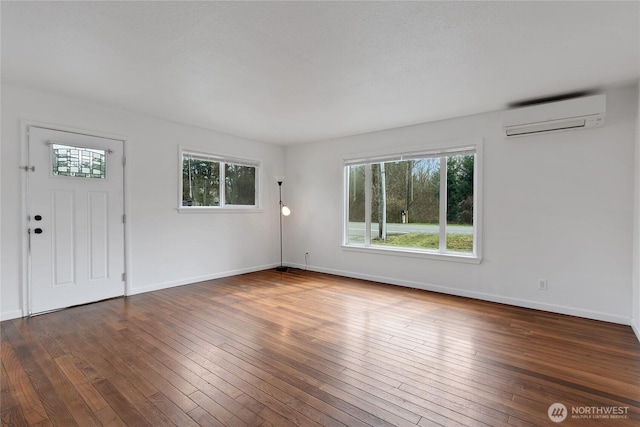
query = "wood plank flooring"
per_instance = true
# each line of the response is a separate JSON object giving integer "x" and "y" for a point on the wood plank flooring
{"x": 309, "y": 349}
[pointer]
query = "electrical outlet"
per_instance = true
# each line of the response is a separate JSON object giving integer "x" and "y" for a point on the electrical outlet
{"x": 542, "y": 284}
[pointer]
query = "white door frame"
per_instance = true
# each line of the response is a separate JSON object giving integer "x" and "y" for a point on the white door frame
{"x": 26, "y": 259}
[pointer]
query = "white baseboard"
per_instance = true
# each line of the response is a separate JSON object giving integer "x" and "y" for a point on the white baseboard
{"x": 8, "y": 315}
{"x": 192, "y": 280}
{"x": 572, "y": 311}
{"x": 559, "y": 309}
{"x": 636, "y": 327}
{"x": 158, "y": 286}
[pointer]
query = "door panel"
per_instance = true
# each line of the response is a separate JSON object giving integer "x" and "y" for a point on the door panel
{"x": 63, "y": 237}
{"x": 98, "y": 234}
{"x": 75, "y": 219}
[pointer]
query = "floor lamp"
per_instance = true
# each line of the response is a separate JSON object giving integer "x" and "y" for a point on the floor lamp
{"x": 283, "y": 211}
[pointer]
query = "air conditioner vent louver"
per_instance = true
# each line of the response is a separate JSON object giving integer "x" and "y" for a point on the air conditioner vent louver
{"x": 570, "y": 114}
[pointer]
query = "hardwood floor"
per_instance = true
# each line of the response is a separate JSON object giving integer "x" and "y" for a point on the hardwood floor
{"x": 303, "y": 348}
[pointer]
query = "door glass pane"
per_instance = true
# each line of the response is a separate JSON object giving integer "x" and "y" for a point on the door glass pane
{"x": 79, "y": 162}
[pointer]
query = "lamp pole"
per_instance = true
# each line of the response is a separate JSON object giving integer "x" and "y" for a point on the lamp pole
{"x": 282, "y": 267}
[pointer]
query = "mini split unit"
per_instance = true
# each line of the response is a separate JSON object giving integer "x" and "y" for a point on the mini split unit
{"x": 568, "y": 114}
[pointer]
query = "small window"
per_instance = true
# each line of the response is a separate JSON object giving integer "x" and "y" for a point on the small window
{"x": 79, "y": 162}
{"x": 414, "y": 202}
{"x": 210, "y": 181}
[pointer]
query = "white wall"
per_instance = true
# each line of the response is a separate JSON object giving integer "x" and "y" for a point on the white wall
{"x": 559, "y": 207}
{"x": 636, "y": 233}
{"x": 166, "y": 248}
{"x": 556, "y": 207}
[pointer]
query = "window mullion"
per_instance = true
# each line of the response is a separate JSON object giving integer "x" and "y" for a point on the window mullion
{"x": 345, "y": 212}
{"x": 443, "y": 206}
{"x": 367, "y": 204}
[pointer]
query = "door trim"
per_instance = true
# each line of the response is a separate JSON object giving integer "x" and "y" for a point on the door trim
{"x": 25, "y": 125}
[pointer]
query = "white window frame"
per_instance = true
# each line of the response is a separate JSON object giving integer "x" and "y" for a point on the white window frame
{"x": 222, "y": 160}
{"x": 453, "y": 148}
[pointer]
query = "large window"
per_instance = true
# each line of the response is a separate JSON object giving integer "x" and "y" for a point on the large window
{"x": 414, "y": 202}
{"x": 210, "y": 181}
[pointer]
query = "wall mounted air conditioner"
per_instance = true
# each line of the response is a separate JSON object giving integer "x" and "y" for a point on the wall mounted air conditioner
{"x": 568, "y": 114}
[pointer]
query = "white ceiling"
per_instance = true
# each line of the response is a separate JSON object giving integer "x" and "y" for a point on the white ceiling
{"x": 291, "y": 72}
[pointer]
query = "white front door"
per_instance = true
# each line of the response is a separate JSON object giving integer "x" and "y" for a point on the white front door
{"x": 76, "y": 209}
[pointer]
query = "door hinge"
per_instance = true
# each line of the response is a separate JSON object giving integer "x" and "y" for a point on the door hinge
{"x": 124, "y": 277}
{"x": 124, "y": 219}
{"x": 28, "y": 168}
{"x": 124, "y": 161}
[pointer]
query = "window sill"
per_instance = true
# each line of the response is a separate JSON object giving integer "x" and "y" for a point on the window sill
{"x": 209, "y": 210}
{"x": 404, "y": 252}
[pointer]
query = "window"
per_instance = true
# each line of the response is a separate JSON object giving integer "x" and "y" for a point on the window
{"x": 78, "y": 161}
{"x": 210, "y": 181}
{"x": 423, "y": 203}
